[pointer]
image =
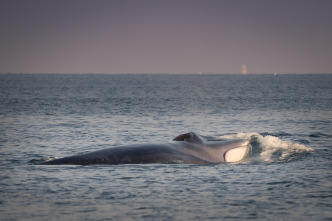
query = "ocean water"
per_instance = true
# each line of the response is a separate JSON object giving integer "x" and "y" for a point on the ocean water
{"x": 286, "y": 118}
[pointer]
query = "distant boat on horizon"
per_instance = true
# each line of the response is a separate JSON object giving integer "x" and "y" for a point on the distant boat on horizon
{"x": 244, "y": 69}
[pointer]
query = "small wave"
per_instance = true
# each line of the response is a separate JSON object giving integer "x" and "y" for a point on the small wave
{"x": 271, "y": 149}
{"x": 317, "y": 135}
{"x": 42, "y": 160}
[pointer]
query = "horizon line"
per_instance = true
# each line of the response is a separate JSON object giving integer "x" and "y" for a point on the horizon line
{"x": 150, "y": 73}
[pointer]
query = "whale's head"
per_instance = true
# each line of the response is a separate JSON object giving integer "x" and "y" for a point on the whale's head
{"x": 238, "y": 151}
{"x": 217, "y": 150}
{"x": 228, "y": 150}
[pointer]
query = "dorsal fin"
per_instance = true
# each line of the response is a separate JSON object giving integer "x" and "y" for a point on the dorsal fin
{"x": 189, "y": 137}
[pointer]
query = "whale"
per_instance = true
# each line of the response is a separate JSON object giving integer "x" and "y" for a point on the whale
{"x": 187, "y": 148}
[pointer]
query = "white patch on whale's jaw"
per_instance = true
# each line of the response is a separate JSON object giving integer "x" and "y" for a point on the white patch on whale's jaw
{"x": 237, "y": 154}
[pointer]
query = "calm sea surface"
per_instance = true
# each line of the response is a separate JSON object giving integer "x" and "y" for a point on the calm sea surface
{"x": 286, "y": 118}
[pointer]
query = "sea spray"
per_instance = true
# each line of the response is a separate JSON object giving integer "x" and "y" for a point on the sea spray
{"x": 271, "y": 149}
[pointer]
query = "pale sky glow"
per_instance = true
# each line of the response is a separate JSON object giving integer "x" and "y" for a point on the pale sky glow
{"x": 170, "y": 36}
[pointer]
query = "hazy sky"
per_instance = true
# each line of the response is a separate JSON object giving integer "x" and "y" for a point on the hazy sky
{"x": 165, "y": 36}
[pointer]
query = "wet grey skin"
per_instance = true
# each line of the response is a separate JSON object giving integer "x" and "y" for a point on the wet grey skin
{"x": 189, "y": 148}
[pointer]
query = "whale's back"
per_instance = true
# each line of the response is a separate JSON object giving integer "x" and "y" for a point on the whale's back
{"x": 132, "y": 154}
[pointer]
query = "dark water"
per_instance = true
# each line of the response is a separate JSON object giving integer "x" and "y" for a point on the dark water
{"x": 287, "y": 118}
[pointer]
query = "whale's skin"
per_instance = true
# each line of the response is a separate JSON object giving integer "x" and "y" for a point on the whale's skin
{"x": 189, "y": 148}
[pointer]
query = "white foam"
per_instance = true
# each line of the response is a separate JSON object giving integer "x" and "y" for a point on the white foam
{"x": 272, "y": 149}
